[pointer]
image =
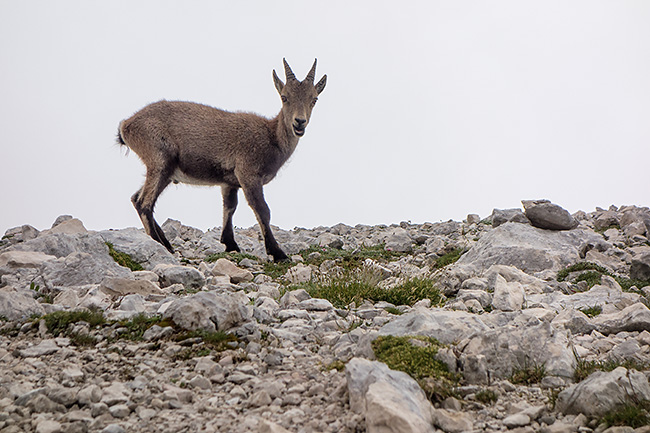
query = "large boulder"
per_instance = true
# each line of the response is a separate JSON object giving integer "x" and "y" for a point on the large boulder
{"x": 18, "y": 304}
{"x": 527, "y": 248}
{"x": 603, "y": 391}
{"x": 495, "y": 353}
{"x": 210, "y": 311}
{"x": 142, "y": 248}
{"x": 390, "y": 400}
{"x": 546, "y": 215}
{"x": 444, "y": 325}
{"x": 78, "y": 269}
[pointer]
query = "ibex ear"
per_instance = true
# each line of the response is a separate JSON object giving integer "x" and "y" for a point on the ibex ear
{"x": 320, "y": 86}
{"x": 279, "y": 85}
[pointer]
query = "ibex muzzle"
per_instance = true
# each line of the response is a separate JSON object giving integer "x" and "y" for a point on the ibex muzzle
{"x": 197, "y": 144}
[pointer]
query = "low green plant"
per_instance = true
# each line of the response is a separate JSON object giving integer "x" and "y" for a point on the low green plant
{"x": 416, "y": 356}
{"x": 584, "y": 368}
{"x": 486, "y": 396}
{"x": 346, "y": 259}
{"x": 123, "y": 259}
{"x": 449, "y": 258}
{"x": 337, "y": 365}
{"x": 58, "y": 322}
{"x": 136, "y": 326}
{"x": 354, "y": 287}
{"x": 233, "y": 256}
{"x": 82, "y": 340}
{"x": 633, "y": 414}
{"x": 393, "y": 310}
{"x": 46, "y": 298}
{"x": 611, "y": 226}
{"x": 528, "y": 373}
{"x": 592, "y": 274}
{"x": 215, "y": 340}
{"x": 592, "y": 311}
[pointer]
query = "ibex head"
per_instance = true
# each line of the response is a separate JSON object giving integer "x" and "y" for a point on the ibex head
{"x": 298, "y": 97}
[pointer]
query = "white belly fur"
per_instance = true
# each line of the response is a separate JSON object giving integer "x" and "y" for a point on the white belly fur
{"x": 180, "y": 177}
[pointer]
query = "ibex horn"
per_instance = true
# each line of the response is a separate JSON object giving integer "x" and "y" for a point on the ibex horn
{"x": 310, "y": 76}
{"x": 288, "y": 72}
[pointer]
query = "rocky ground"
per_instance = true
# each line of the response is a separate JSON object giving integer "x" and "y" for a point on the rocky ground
{"x": 542, "y": 324}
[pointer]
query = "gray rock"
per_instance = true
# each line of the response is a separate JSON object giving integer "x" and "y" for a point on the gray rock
{"x": 16, "y": 235}
{"x": 393, "y": 391}
{"x": 507, "y": 296}
{"x": 123, "y": 286}
{"x": 546, "y": 215}
{"x": 502, "y": 216}
{"x": 210, "y": 311}
{"x": 189, "y": 277}
{"x": 298, "y": 274}
{"x": 18, "y": 304}
{"x": 640, "y": 268}
{"x": 142, "y": 248}
{"x": 229, "y": 269}
{"x": 78, "y": 269}
{"x": 606, "y": 219}
{"x": 527, "y": 248}
{"x": 444, "y": 325}
{"x": 597, "y": 295}
{"x": 603, "y": 391}
{"x": 70, "y": 226}
{"x": 389, "y": 410}
{"x": 24, "y": 259}
{"x": 508, "y": 347}
{"x": 399, "y": 240}
{"x": 451, "y": 421}
{"x": 633, "y": 318}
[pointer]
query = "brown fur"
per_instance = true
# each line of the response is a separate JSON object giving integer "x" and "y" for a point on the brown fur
{"x": 194, "y": 143}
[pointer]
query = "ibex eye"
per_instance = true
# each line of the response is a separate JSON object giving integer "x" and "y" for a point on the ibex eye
{"x": 284, "y": 98}
{"x": 313, "y": 102}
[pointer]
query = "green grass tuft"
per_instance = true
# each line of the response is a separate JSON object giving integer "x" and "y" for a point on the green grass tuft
{"x": 584, "y": 368}
{"x": 233, "y": 256}
{"x": 137, "y": 325}
{"x": 486, "y": 396}
{"x": 592, "y": 311}
{"x": 59, "y": 321}
{"x": 356, "y": 287}
{"x": 592, "y": 274}
{"x": 123, "y": 259}
{"x": 449, "y": 258}
{"x": 633, "y": 414}
{"x": 528, "y": 374}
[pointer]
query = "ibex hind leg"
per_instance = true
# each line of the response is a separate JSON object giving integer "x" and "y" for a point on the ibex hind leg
{"x": 229, "y": 194}
{"x": 145, "y": 199}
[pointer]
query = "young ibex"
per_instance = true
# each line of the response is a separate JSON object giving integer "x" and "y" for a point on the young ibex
{"x": 197, "y": 144}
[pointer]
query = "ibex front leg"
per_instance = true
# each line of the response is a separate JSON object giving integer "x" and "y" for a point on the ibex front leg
{"x": 229, "y": 194}
{"x": 255, "y": 197}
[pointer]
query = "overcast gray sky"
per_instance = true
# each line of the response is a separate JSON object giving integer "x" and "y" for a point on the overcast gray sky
{"x": 433, "y": 109}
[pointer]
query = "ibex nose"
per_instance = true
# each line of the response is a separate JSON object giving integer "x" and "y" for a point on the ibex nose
{"x": 300, "y": 122}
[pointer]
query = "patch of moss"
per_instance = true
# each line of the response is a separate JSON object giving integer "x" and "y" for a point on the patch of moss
{"x": 416, "y": 357}
{"x": 82, "y": 340}
{"x": 123, "y": 259}
{"x": 393, "y": 310}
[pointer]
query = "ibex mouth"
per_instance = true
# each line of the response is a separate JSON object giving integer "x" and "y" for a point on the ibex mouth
{"x": 299, "y": 130}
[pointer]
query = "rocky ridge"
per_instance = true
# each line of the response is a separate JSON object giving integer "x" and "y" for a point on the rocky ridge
{"x": 535, "y": 289}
